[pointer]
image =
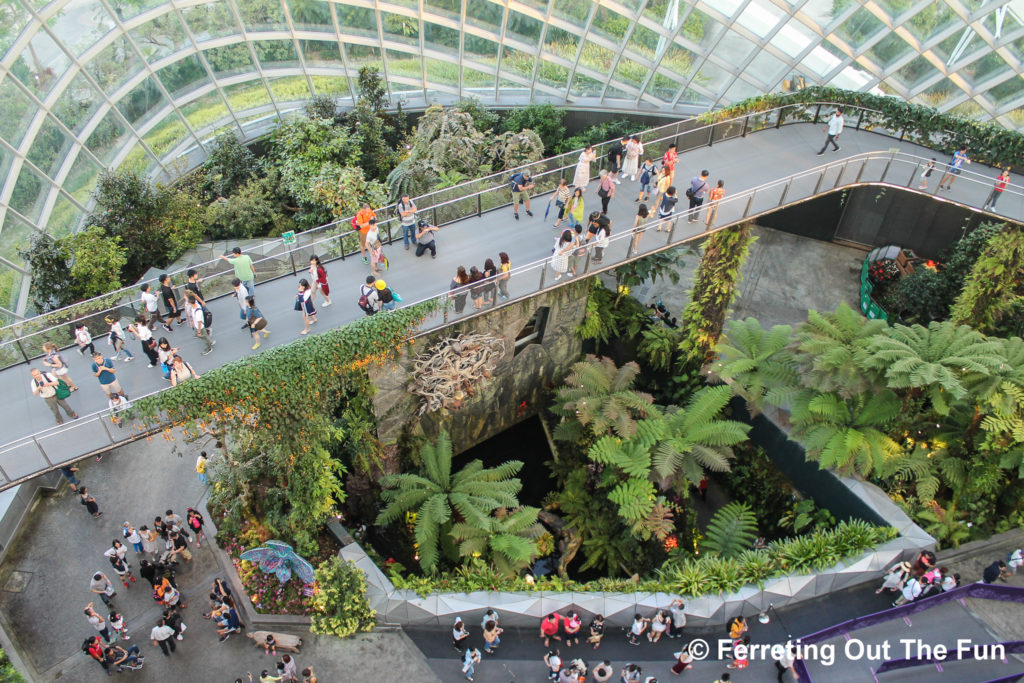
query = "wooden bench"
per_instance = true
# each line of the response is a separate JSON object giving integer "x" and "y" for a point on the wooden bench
{"x": 285, "y": 641}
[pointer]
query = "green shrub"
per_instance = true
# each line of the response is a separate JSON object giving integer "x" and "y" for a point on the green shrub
{"x": 340, "y": 605}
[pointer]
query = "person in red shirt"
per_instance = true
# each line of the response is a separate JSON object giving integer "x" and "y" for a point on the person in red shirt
{"x": 362, "y": 224}
{"x": 549, "y": 628}
{"x": 668, "y": 162}
{"x": 1001, "y": 182}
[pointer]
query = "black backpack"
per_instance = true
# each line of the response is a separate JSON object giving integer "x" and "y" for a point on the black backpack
{"x": 207, "y": 317}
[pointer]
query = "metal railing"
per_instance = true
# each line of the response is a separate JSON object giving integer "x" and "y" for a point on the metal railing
{"x": 23, "y": 458}
{"x": 21, "y": 342}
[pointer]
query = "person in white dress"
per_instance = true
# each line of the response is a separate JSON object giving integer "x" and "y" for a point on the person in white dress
{"x": 895, "y": 577}
{"x": 582, "y": 177}
{"x": 631, "y": 165}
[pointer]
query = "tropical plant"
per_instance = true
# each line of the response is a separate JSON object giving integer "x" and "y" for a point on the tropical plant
{"x": 229, "y": 165}
{"x": 508, "y": 540}
{"x": 946, "y": 525}
{"x": 756, "y": 363}
{"x": 340, "y": 607}
{"x": 483, "y": 118}
{"x": 731, "y": 531}
{"x": 372, "y": 88}
{"x": 96, "y": 261}
{"x": 804, "y": 514}
{"x": 546, "y": 120}
{"x": 249, "y": 212}
{"x": 994, "y": 287}
{"x": 321, "y": 106}
{"x": 302, "y": 148}
{"x": 441, "y": 499}
{"x": 513, "y": 149}
{"x": 599, "y": 397}
{"x": 345, "y": 189}
{"x": 663, "y": 264}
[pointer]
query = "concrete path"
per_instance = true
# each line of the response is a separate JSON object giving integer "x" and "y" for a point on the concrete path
{"x": 743, "y": 163}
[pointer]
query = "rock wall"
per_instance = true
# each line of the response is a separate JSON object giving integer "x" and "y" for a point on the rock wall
{"x": 518, "y": 379}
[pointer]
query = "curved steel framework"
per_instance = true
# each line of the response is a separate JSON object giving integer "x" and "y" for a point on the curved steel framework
{"x": 91, "y": 84}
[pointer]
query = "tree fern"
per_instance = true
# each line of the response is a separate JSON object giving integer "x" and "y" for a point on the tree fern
{"x": 994, "y": 284}
{"x": 731, "y": 531}
{"x": 832, "y": 349}
{"x": 509, "y": 540}
{"x": 757, "y": 363}
{"x": 600, "y": 397}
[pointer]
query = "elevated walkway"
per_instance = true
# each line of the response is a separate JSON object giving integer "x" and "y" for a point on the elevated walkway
{"x": 765, "y": 167}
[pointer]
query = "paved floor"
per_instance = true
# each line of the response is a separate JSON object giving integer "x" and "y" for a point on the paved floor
{"x": 743, "y": 163}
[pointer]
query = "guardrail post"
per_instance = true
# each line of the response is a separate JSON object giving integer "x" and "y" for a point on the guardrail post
{"x": 785, "y": 191}
{"x": 885, "y": 171}
{"x": 817, "y": 185}
{"x": 543, "y": 276}
{"x": 913, "y": 174}
{"x": 291, "y": 257}
{"x": 817, "y": 114}
{"x": 341, "y": 244}
{"x": 586, "y": 261}
{"x": 841, "y": 172}
{"x": 433, "y": 212}
{"x": 711, "y": 135}
{"x": 22, "y": 349}
{"x": 479, "y": 206}
{"x": 110, "y": 437}
{"x": 860, "y": 120}
{"x": 778, "y": 118}
{"x": 672, "y": 230}
{"x": 861, "y": 171}
{"x": 746, "y": 120}
{"x": 750, "y": 204}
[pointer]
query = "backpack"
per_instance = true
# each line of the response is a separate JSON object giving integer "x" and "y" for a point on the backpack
{"x": 364, "y": 303}
{"x": 515, "y": 179}
{"x": 207, "y": 317}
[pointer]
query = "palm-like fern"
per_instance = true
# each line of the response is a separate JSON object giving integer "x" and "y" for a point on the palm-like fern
{"x": 936, "y": 359}
{"x": 833, "y": 348}
{"x": 757, "y": 362}
{"x": 600, "y": 397}
{"x": 509, "y": 540}
{"x": 846, "y": 434}
{"x": 438, "y": 497}
{"x": 731, "y": 530}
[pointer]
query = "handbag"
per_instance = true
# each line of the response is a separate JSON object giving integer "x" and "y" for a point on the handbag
{"x": 298, "y": 303}
{"x": 602, "y": 193}
{"x": 62, "y": 390}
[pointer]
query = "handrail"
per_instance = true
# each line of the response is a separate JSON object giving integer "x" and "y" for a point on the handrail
{"x": 422, "y": 201}
{"x": 733, "y": 209}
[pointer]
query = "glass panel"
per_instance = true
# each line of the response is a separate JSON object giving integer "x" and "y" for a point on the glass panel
{"x": 160, "y": 37}
{"x": 13, "y": 18}
{"x": 211, "y": 20}
{"x": 741, "y": 90}
{"x": 245, "y": 96}
{"x": 404, "y": 64}
{"x": 481, "y": 50}
{"x": 552, "y": 74}
{"x": 760, "y": 18}
{"x": 14, "y": 237}
{"x": 989, "y": 66}
{"x": 399, "y": 86}
{"x": 204, "y": 111}
{"x": 107, "y": 138}
{"x": 888, "y": 50}
{"x": 766, "y": 68}
{"x": 143, "y": 99}
{"x": 471, "y": 78}
{"x": 610, "y": 24}
{"x": 678, "y": 61}
{"x": 275, "y": 53}
{"x": 574, "y": 11}
{"x": 328, "y": 85}
{"x": 860, "y": 27}
{"x": 442, "y": 72}
{"x": 713, "y": 77}
{"x": 262, "y": 15}
{"x": 918, "y": 69}
{"x": 487, "y": 14}
{"x": 321, "y": 52}
{"x": 82, "y": 178}
{"x": 311, "y": 15}
{"x": 183, "y": 76}
{"x": 76, "y": 105}
{"x": 64, "y": 217}
{"x": 113, "y": 66}
{"x": 165, "y": 135}
{"x": 18, "y": 112}
{"x": 700, "y": 28}
{"x": 358, "y": 20}
{"x": 793, "y": 38}
{"x": 969, "y": 110}
{"x": 49, "y": 147}
{"x": 289, "y": 89}
{"x": 584, "y": 86}
{"x": 561, "y": 43}
{"x": 440, "y": 37}
{"x": 951, "y": 48}
{"x": 126, "y": 9}
{"x": 26, "y": 198}
{"x": 644, "y": 42}
{"x": 734, "y": 48}
{"x": 43, "y": 62}
{"x": 597, "y": 57}
{"x": 136, "y": 159}
{"x": 229, "y": 60}
{"x": 400, "y": 28}
{"x": 663, "y": 87}
{"x": 1006, "y": 91}
{"x": 933, "y": 19}
{"x": 517, "y": 62}
{"x": 631, "y": 73}
{"x": 526, "y": 29}
{"x": 362, "y": 55}
{"x": 80, "y": 24}
{"x": 6, "y": 157}
{"x": 448, "y": 8}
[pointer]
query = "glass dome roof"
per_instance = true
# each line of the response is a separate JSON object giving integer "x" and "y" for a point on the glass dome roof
{"x": 92, "y": 84}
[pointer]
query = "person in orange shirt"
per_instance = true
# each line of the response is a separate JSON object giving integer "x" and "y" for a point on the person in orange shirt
{"x": 362, "y": 221}
{"x": 713, "y": 198}
{"x": 668, "y": 162}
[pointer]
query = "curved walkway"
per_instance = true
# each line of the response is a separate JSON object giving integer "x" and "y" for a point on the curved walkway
{"x": 758, "y": 161}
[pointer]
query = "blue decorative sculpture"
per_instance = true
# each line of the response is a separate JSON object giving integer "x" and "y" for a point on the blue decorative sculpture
{"x": 279, "y": 558}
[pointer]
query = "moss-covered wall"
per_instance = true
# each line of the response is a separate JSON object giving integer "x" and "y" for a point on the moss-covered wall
{"x": 526, "y": 377}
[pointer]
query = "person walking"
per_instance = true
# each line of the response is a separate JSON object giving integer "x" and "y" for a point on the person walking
{"x": 122, "y": 569}
{"x": 194, "y": 521}
{"x": 575, "y": 209}
{"x": 997, "y": 190}
{"x": 459, "y": 282}
{"x": 926, "y": 174}
{"x": 895, "y": 577}
{"x": 504, "y": 274}
{"x": 58, "y": 366}
{"x": 101, "y": 586}
{"x": 425, "y": 233}
{"x": 954, "y": 168}
{"x": 833, "y": 131}
{"x": 638, "y": 628}
{"x": 634, "y": 148}
{"x": 368, "y": 300}
{"x": 91, "y": 506}
{"x": 469, "y": 662}
{"x": 696, "y": 194}
{"x": 684, "y": 660}
{"x": 98, "y": 623}
{"x": 304, "y": 303}
{"x": 561, "y": 198}
{"x": 661, "y": 186}
{"x": 93, "y": 647}
{"x": 553, "y": 661}
{"x": 150, "y": 304}
{"x": 648, "y": 179}
{"x": 170, "y": 302}
{"x": 165, "y": 355}
{"x": 605, "y": 190}
{"x": 68, "y": 472}
{"x": 377, "y": 258}
{"x": 83, "y": 339}
{"x": 104, "y": 371}
{"x": 54, "y": 391}
{"x": 459, "y": 634}
{"x": 116, "y": 338}
{"x": 199, "y": 322}
{"x": 193, "y": 285}
{"x": 599, "y": 230}
{"x": 162, "y": 636}
{"x": 714, "y": 197}
{"x": 362, "y": 222}
{"x": 241, "y": 293}
{"x": 911, "y": 591}
{"x": 407, "y": 215}
{"x": 616, "y": 155}
{"x": 492, "y": 635}
{"x": 257, "y": 323}
{"x": 667, "y": 208}
{"x": 639, "y": 226}
{"x": 560, "y": 256}
{"x": 145, "y": 337}
{"x": 182, "y": 371}
{"x": 318, "y": 276}
{"x": 244, "y": 270}
{"x": 521, "y": 183}
{"x": 668, "y": 163}
{"x": 582, "y": 176}
{"x": 201, "y": 465}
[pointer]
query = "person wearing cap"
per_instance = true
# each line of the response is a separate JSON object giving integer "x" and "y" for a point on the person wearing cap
{"x": 425, "y": 239}
{"x": 244, "y": 271}
{"x": 521, "y": 183}
{"x": 385, "y": 296}
{"x": 895, "y": 577}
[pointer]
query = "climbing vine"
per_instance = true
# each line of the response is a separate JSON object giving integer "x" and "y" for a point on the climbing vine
{"x": 993, "y": 287}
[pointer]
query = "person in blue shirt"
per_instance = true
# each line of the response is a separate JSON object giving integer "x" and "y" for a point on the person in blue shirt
{"x": 103, "y": 369}
{"x": 956, "y": 164}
